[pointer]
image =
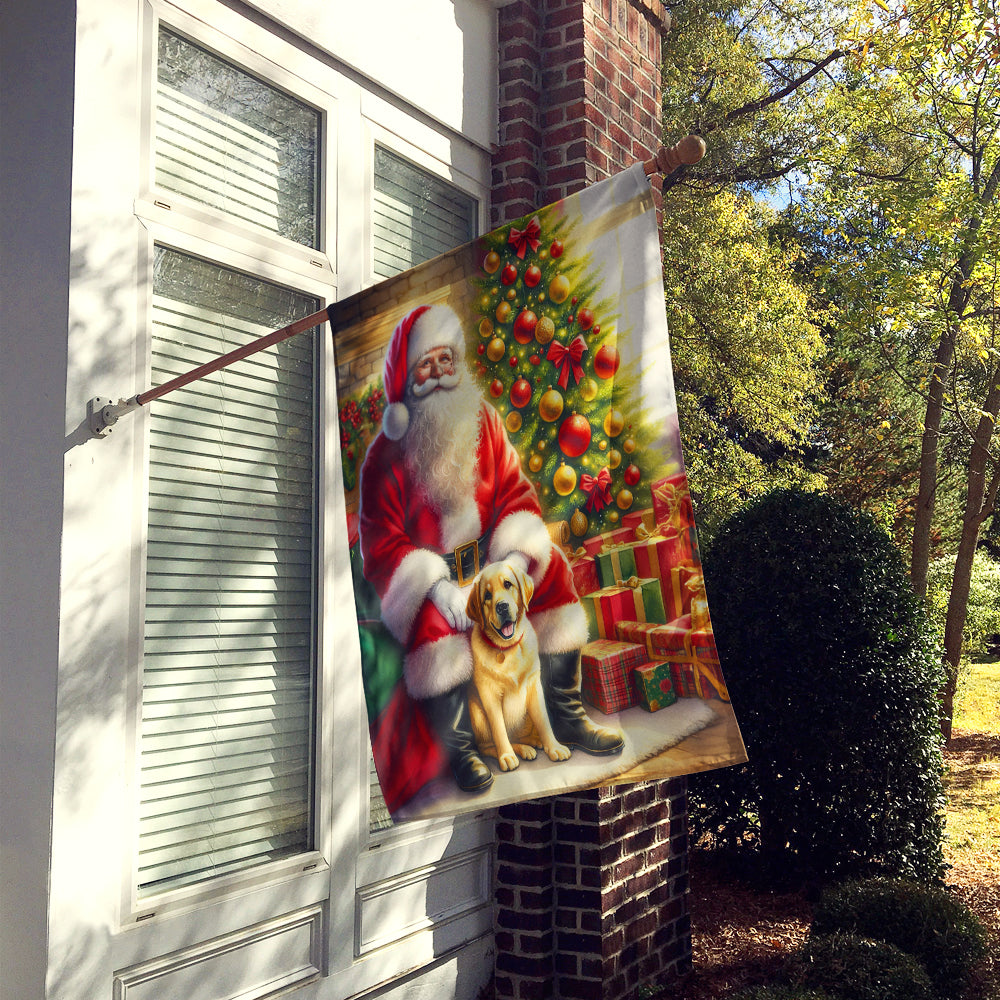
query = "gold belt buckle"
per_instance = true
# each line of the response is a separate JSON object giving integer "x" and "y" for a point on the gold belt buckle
{"x": 459, "y": 552}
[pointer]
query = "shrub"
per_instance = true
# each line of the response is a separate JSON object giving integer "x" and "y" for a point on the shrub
{"x": 834, "y": 673}
{"x": 782, "y": 993}
{"x": 856, "y": 968}
{"x": 926, "y": 922}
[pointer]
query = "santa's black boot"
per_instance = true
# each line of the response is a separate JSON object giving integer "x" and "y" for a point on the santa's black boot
{"x": 449, "y": 715}
{"x": 570, "y": 722}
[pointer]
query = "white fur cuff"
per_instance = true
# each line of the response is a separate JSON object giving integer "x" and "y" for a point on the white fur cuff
{"x": 416, "y": 573}
{"x": 437, "y": 667}
{"x": 523, "y": 532}
{"x": 560, "y": 629}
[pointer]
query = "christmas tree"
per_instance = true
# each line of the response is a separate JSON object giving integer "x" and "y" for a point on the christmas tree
{"x": 547, "y": 358}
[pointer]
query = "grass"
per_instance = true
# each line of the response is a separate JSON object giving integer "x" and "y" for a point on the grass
{"x": 973, "y": 784}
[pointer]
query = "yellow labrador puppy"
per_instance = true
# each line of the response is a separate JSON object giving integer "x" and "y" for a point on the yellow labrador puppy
{"x": 506, "y": 704}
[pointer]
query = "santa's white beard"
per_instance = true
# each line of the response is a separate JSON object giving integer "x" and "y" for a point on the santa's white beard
{"x": 441, "y": 444}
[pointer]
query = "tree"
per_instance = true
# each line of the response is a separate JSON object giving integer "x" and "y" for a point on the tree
{"x": 913, "y": 185}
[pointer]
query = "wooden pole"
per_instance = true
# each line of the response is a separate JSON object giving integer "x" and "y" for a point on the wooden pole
{"x": 688, "y": 151}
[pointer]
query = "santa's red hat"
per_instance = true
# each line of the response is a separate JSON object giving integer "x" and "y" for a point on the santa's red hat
{"x": 416, "y": 333}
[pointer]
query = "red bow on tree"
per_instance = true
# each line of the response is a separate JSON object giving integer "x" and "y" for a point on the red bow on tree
{"x": 597, "y": 489}
{"x": 568, "y": 358}
{"x": 523, "y": 238}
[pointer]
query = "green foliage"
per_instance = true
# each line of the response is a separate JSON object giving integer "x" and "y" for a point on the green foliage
{"x": 782, "y": 992}
{"x": 833, "y": 671}
{"x": 857, "y": 968}
{"x": 926, "y": 922}
{"x": 983, "y": 610}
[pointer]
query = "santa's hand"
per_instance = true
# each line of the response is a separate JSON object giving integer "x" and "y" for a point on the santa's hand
{"x": 450, "y": 601}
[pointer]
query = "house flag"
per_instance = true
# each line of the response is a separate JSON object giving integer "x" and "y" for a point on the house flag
{"x": 531, "y": 610}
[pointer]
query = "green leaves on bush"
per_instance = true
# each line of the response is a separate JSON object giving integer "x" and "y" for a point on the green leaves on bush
{"x": 926, "y": 922}
{"x": 856, "y": 968}
{"x": 782, "y": 993}
{"x": 834, "y": 675}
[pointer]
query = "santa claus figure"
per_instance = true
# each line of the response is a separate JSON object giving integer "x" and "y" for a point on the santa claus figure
{"x": 443, "y": 493}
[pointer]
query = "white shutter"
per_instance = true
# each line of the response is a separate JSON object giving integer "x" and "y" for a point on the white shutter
{"x": 415, "y": 217}
{"x": 228, "y": 660}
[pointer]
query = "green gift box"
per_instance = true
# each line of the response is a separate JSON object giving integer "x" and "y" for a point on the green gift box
{"x": 614, "y": 564}
{"x": 654, "y": 687}
{"x": 634, "y": 599}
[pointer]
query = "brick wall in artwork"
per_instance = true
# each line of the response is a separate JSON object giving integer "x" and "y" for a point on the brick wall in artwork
{"x": 591, "y": 888}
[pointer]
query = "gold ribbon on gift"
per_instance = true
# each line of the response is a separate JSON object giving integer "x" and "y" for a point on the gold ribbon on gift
{"x": 577, "y": 553}
{"x": 700, "y": 669}
{"x": 643, "y": 534}
{"x": 633, "y": 581}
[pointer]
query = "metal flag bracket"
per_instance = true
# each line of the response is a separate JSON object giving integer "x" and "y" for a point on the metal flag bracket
{"x": 103, "y": 413}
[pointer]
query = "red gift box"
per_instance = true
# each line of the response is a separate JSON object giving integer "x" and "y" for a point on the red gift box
{"x": 662, "y": 642}
{"x": 672, "y": 502}
{"x": 609, "y": 605}
{"x": 671, "y": 564}
{"x": 584, "y": 569}
{"x": 606, "y": 667}
{"x": 646, "y": 519}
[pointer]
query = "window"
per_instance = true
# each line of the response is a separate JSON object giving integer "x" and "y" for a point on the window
{"x": 229, "y": 676}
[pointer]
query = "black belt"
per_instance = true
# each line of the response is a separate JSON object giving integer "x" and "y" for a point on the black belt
{"x": 463, "y": 561}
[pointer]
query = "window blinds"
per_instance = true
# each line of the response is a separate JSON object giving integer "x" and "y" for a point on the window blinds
{"x": 225, "y": 139}
{"x": 228, "y": 656}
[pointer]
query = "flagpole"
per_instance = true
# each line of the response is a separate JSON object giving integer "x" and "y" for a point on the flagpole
{"x": 103, "y": 413}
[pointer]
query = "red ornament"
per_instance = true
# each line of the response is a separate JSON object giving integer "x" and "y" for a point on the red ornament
{"x": 481, "y": 349}
{"x": 535, "y": 359}
{"x": 585, "y": 318}
{"x": 556, "y": 249}
{"x": 574, "y": 435}
{"x": 574, "y": 300}
{"x": 513, "y": 362}
{"x": 606, "y": 360}
{"x": 596, "y": 330}
{"x": 496, "y": 388}
{"x": 509, "y": 274}
{"x": 632, "y": 475}
{"x": 524, "y": 326}
{"x": 533, "y": 275}
{"x": 520, "y": 392}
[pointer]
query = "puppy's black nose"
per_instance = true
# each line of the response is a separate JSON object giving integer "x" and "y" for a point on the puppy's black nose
{"x": 504, "y": 613}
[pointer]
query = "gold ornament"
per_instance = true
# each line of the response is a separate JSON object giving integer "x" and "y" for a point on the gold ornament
{"x": 496, "y": 349}
{"x": 559, "y": 289}
{"x": 614, "y": 458}
{"x": 503, "y": 312}
{"x": 614, "y": 423}
{"x": 545, "y": 330}
{"x": 624, "y": 498}
{"x": 588, "y": 389}
{"x": 602, "y": 445}
{"x": 535, "y": 462}
{"x": 629, "y": 445}
{"x": 550, "y": 406}
{"x": 564, "y": 480}
{"x": 485, "y": 328}
{"x": 613, "y": 516}
{"x": 513, "y": 421}
{"x": 492, "y": 262}
{"x": 579, "y": 523}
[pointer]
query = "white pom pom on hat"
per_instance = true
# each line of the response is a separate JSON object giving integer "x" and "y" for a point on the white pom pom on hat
{"x": 416, "y": 333}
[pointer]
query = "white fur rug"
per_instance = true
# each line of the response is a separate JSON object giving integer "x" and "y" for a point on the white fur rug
{"x": 647, "y": 735}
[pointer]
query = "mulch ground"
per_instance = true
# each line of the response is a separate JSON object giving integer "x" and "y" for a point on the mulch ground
{"x": 742, "y": 935}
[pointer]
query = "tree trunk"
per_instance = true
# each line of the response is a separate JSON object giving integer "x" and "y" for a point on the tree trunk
{"x": 920, "y": 553}
{"x": 979, "y": 500}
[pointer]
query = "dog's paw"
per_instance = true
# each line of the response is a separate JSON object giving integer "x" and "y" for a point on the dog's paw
{"x": 524, "y": 751}
{"x": 558, "y": 752}
{"x": 508, "y": 761}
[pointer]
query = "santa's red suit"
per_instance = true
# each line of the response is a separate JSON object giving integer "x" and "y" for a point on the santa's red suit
{"x": 405, "y": 541}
